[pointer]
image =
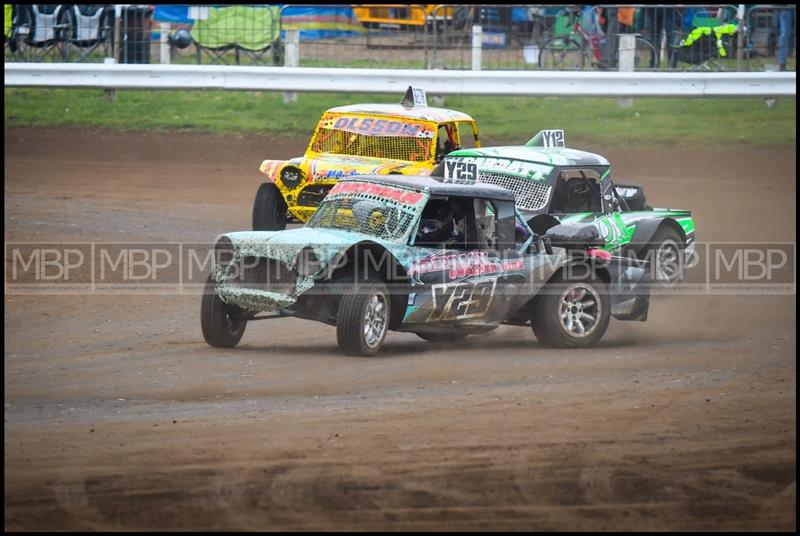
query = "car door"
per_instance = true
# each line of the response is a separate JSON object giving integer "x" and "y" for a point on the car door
{"x": 461, "y": 282}
{"x": 610, "y": 222}
{"x": 612, "y": 229}
{"x": 594, "y": 206}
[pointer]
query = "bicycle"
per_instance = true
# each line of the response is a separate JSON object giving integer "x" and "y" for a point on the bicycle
{"x": 573, "y": 49}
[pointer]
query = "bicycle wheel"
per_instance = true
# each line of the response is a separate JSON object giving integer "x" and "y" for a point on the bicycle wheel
{"x": 564, "y": 53}
{"x": 646, "y": 55}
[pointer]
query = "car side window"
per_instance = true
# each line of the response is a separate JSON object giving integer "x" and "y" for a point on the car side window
{"x": 486, "y": 223}
{"x": 447, "y": 140}
{"x": 466, "y": 135}
{"x": 448, "y": 223}
{"x": 576, "y": 191}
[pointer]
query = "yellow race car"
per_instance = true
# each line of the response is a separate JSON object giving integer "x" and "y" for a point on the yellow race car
{"x": 409, "y": 138}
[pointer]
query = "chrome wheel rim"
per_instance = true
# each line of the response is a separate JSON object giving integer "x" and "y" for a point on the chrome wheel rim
{"x": 375, "y": 320}
{"x": 668, "y": 262}
{"x": 580, "y": 310}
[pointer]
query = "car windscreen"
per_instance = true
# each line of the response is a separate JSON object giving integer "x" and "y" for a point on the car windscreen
{"x": 377, "y": 210}
{"x": 407, "y": 140}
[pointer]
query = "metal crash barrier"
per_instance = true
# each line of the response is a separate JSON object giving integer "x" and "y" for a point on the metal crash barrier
{"x": 667, "y": 37}
{"x": 533, "y": 83}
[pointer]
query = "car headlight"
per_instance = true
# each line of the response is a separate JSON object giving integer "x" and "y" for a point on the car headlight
{"x": 307, "y": 262}
{"x": 291, "y": 176}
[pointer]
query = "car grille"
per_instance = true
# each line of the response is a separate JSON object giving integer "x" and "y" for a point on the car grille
{"x": 261, "y": 273}
{"x": 312, "y": 196}
{"x": 529, "y": 194}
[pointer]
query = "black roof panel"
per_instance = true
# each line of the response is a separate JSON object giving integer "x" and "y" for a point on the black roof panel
{"x": 434, "y": 187}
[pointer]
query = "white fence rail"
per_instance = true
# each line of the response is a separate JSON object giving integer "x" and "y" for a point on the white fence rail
{"x": 436, "y": 82}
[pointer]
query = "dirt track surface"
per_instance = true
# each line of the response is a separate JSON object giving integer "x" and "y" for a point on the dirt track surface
{"x": 119, "y": 416}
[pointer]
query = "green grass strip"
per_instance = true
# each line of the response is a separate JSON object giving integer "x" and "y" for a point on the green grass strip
{"x": 650, "y": 122}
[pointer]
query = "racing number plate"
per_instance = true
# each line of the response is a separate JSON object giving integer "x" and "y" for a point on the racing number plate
{"x": 460, "y": 301}
{"x": 461, "y": 172}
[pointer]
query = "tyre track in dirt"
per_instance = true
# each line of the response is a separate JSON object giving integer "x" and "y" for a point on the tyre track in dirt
{"x": 118, "y": 416}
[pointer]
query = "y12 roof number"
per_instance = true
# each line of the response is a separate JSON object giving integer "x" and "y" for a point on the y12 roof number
{"x": 553, "y": 138}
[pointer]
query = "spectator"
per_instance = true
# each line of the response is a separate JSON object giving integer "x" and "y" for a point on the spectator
{"x": 666, "y": 19}
{"x": 786, "y": 21}
{"x": 593, "y": 20}
{"x": 625, "y": 17}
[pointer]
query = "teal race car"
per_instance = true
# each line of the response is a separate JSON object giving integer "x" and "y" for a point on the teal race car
{"x": 414, "y": 254}
{"x": 557, "y": 185}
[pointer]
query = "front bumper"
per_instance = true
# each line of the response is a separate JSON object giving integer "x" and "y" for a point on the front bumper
{"x": 260, "y": 284}
{"x": 255, "y": 299}
{"x": 303, "y": 201}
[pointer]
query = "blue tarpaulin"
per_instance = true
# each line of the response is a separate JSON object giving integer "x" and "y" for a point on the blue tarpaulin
{"x": 313, "y": 22}
{"x": 173, "y": 14}
{"x": 321, "y": 22}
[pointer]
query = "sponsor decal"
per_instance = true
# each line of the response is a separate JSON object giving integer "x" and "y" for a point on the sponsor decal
{"x": 627, "y": 191}
{"x": 337, "y": 173}
{"x": 397, "y": 195}
{"x": 461, "y": 265}
{"x": 530, "y": 170}
{"x": 380, "y": 127}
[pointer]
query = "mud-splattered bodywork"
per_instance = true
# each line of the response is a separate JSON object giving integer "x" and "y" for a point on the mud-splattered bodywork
{"x": 365, "y": 229}
{"x": 366, "y": 139}
{"x": 532, "y": 172}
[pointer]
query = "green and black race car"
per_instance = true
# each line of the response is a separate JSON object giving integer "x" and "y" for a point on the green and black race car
{"x": 555, "y": 185}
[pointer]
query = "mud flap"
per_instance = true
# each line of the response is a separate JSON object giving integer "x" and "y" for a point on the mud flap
{"x": 630, "y": 293}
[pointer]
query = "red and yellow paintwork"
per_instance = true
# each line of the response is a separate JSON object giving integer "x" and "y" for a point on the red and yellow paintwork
{"x": 407, "y": 14}
{"x": 321, "y": 170}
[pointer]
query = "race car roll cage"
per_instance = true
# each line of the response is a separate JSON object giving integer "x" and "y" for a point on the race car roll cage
{"x": 508, "y": 237}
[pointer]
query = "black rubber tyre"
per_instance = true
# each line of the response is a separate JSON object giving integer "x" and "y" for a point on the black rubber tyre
{"x": 561, "y": 53}
{"x": 357, "y": 309}
{"x": 222, "y": 324}
{"x": 546, "y": 317}
{"x": 269, "y": 209}
{"x": 666, "y": 255}
{"x": 442, "y": 337}
{"x": 645, "y": 55}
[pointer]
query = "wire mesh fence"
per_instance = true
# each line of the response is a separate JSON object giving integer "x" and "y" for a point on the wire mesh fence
{"x": 61, "y": 33}
{"x": 771, "y": 33}
{"x": 420, "y": 36}
{"x": 369, "y": 35}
